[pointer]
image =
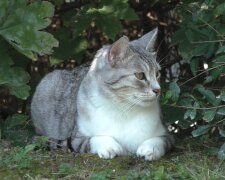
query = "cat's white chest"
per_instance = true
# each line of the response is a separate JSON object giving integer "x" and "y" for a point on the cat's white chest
{"x": 129, "y": 127}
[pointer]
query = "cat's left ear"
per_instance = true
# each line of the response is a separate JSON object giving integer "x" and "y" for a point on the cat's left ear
{"x": 118, "y": 50}
{"x": 147, "y": 41}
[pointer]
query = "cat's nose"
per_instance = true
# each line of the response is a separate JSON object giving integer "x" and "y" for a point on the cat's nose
{"x": 157, "y": 91}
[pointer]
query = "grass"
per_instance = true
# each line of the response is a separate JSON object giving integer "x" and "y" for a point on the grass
{"x": 187, "y": 161}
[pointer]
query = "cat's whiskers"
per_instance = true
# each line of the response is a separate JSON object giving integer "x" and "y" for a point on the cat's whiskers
{"x": 160, "y": 60}
{"x": 116, "y": 103}
{"x": 128, "y": 107}
{"x": 134, "y": 104}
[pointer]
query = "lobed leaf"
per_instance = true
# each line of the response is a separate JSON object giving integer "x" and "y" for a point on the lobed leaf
{"x": 21, "y": 26}
{"x": 13, "y": 78}
{"x": 106, "y": 16}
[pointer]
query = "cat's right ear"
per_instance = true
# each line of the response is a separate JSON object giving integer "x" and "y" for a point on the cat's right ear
{"x": 147, "y": 41}
{"x": 118, "y": 50}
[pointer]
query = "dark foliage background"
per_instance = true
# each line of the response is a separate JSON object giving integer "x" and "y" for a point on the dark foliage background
{"x": 39, "y": 36}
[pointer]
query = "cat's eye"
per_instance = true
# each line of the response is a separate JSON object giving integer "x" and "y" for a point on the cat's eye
{"x": 158, "y": 74}
{"x": 140, "y": 75}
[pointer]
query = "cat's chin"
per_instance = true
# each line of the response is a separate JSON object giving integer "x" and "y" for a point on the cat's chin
{"x": 145, "y": 102}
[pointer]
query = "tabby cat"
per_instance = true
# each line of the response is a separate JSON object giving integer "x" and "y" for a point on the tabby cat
{"x": 109, "y": 109}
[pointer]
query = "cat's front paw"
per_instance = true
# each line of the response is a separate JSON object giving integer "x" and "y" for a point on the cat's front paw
{"x": 105, "y": 147}
{"x": 150, "y": 151}
{"x": 110, "y": 151}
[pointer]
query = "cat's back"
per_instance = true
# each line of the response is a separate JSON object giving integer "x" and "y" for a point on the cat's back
{"x": 53, "y": 107}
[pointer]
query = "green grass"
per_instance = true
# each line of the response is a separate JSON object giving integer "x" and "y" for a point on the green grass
{"x": 187, "y": 161}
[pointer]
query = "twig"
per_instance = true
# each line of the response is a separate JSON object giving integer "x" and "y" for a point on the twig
{"x": 206, "y": 23}
{"x": 202, "y": 73}
{"x": 213, "y": 41}
{"x": 220, "y": 121}
{"x": 203, "y": 108}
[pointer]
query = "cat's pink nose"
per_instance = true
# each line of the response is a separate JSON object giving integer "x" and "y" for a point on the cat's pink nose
{"x": 157, "y": 91}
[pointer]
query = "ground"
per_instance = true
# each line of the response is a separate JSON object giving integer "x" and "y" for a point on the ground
{"x": 188, "y": 160}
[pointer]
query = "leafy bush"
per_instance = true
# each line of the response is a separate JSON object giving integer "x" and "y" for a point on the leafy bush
{"x": 24, "y": 40}
{"x": 31, "y": 31}
{"x": 201, "y": 97}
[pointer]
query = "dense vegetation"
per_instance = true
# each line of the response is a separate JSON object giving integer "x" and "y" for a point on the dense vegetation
{"x": 38, "y": 36}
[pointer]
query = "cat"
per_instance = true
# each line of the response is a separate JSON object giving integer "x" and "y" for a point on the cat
{"x": 110, "y": 109}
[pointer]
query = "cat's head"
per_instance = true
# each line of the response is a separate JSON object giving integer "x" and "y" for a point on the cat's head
{"x": 128, "y": 70}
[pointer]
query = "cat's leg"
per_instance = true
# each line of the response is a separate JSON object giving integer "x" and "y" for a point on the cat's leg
{"x": 154, "y": 148}
{"x": 64, "y": 145}
{"x": 106, "y": 147}
{"x": 81, "y": 144}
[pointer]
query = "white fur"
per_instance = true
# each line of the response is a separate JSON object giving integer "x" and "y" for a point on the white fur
{"x": 151, "y": 149}
{"x": 111, "y": 128}
{"x": 106, "y": 147}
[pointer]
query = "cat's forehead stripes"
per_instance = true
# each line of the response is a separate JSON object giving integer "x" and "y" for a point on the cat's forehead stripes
{"x": 145, "y": 56}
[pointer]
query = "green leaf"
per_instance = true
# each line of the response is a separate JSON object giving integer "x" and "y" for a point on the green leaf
{"x": 208, "y": 94}
{"x": 201, "y": 130}
{"x": 219, "y": 59}
{"x": 13, "y": 78}
{"x": 215, "y": 73}
{"x": 29, "y": 147}
{"x": 82, "y": 21}
{"x": 209, "y": 115}
{"x": 15, "y": 120}
{"x": 175, "y": 89}
{"x": 222, "y": 132}
{"x": 222, "y": 97}
{"x": 21, "y": 92}
{"x": 221, "y": 153}
{"x": 208, "y": 79}
{"x": 78, "y": 46}
{"x": 41, "y": 141}
{"x": 109, "y": 12}
{"x": 221, "y": 111}
{"x": 221, "y": 50}
{"x": 194, "y": 66}
{"x": 220, "y": 9}
{"x": 119, "y": 9}
{"x": 166, "y": 97}
{"x": 190, "y": 113}
{"x": 186, "y": 101}
{"x": 58, "y": 2}
{"x": 111, "y": 26}
{"x": 21, "y": 26}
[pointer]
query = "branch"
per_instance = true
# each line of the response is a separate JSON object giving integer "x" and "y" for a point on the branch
{"x": 202, "y": 73}
{"x": 203, "y": 108}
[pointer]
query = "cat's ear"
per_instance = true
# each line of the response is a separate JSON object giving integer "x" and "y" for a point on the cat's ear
{"x": 147, "y": 41}
{"x": 118, "y": 50}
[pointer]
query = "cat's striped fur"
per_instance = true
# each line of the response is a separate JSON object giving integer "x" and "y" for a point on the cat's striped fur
{"x": 112, "y": 108}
